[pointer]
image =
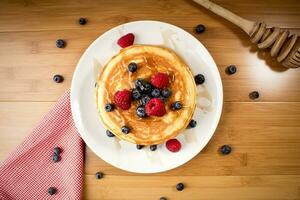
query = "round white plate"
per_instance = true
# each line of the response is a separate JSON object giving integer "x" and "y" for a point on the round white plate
{"x": 124, "y": 155}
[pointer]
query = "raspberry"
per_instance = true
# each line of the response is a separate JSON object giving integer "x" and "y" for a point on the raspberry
{"x": 160, "y": 80}
{"x": 173, "y": 145}
{"x": 123, "y": 99}
{"x": 126, "y": 40}
{"x": 155, "y": 107}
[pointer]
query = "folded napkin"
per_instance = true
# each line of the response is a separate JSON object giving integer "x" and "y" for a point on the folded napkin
{"x": 31, "y": 172}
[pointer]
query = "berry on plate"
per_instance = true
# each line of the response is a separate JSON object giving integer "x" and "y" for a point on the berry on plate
{"x": 123, "y": 99}
{"x": 173, "y": 145}
{"x": 160, "y": 80}
{"x": 126, "y": 40}
{"x": 155, "y": 107}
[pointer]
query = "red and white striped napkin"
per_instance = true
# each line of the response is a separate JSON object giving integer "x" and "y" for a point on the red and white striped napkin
{"x": 29, "y": 171}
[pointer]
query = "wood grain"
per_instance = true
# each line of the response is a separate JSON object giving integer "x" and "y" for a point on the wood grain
{"x": 264, "y": 134}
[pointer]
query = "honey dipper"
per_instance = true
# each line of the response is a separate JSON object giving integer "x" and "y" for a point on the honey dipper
{"x": 281, "y": 44}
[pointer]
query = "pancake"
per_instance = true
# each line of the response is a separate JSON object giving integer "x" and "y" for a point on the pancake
{"x": 150, "y": 59}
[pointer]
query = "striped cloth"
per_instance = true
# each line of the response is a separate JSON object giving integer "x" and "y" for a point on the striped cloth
{"x": 29, "y": 171}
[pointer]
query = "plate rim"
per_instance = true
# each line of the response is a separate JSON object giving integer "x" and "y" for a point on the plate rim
{"x": 219, "y": 92}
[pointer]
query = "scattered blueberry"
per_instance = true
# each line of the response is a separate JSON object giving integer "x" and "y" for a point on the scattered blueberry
{"x": 138, "y": 146}
{"x": 200, "y": 28}
{"x": 109, "y": 133}
{"x": 58, "y": 78}
{"x": 225, "y": 149}
{"x": 132, "y": 67}
{"x": 140, "y": 111}
{"x": 162, "y": 198}
{"x": 82, "y": 21}
{"x": 254, "y": 95}
{"x": 56, "y": 158}
{"x": 60, "y": 43}
{"x": 125, "y": 129}
{"x": 109, "y": 107}
{"x": 153, "y": 147}
{"x": 57, "y": 150}
{"x": 52, "y": 190}
{"x": 99, "y": 175}
{"x": 145, "y": 99}
{"x": 166, "y": 93}
{"x": 199, "y": 79}
{"x": 192, "y": 124}
{"x": 155, "y": 93}
{"x": 176, "y": 105}
{"x": 179, "y": 186}
{"x": 136, "y": 95}
{"x": 231, "y": 69}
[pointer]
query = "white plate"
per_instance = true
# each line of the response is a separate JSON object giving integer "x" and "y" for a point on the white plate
{"x": 124, "y": 155}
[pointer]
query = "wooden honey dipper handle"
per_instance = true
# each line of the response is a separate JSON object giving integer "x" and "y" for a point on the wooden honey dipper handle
{"x": 282, "y": 45}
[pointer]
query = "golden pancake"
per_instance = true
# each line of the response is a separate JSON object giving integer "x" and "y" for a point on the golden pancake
{"x": 150, "y": 59}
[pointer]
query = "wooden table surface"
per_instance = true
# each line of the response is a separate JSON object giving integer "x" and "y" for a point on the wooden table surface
{"x": 264, "y": 134}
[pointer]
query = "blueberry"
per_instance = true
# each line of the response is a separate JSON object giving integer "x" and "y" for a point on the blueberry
{"x": 199, "y": 79}
{"x": 176, "y": 105}
{"x": 58, "y": 78}
{"x": 200, "y": 28}
{"x": 136, "y": 95}
{"x": 153, "y": 147}
{"x": 231, "y": 69}
{"x": 147, "y": 88}
{"x": 162, "y": 198}
{"x": 140, "y": 111}
{"x": 192, "y": 124}
{"x": 99, "y": 175}
{"x": 56, "y": 158}
{"x": 225, "y": 149}
{"x": 57, "y": 150}
{"x": 109, "y": 107}
{"x": 60, "y": 43}
{"x": 109, "y": 133}
{"x": 52, "y": 190}
{"x": 138, "y": 146}
{"x": 166, "y": 93}
{"x": 138, "y": 83}
{"x": 143, "y": 86}
{"x": 155, "y": 93}
{"x": 179, "y": 186}
{"x": 145, "y": 99}
{"x": 82, "y": 21}
{"x": 125, "y": 129}
{"x": 132, "y": 67}
{"x": 254, "y": 95}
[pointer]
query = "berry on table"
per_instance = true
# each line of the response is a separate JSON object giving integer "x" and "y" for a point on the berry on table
{"x": 231, "y": 69}
{"x": 179, "y": 186}
{"x": 60, "y": 43}
{"x": 200, "y": 28}
{"x": 254, "y": 95}
{"x": 82, "y": 21}
{"x": 52, "y": 190}
{"x": 225, "y": 149}
{"x": 99, "y": 175}
{"x": 58, "y": 78}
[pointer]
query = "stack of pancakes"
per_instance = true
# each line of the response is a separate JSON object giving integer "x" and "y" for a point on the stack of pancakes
{"x": 150, "y": 60}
